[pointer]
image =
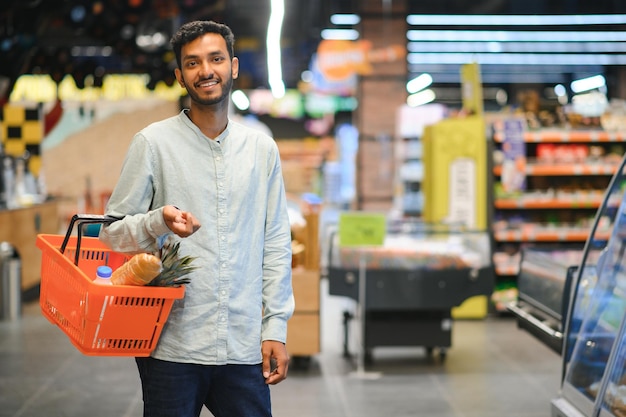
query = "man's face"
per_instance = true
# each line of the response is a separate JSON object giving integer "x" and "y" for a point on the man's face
{"x": 207, "y": 72}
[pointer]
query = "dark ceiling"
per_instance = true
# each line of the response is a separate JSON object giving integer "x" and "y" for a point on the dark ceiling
{"x": 98, "y": 37}
{"x": 82, "y": 37}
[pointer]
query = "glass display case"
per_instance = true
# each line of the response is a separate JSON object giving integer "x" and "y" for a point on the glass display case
{"x": 545, "y": 288}
{"x": 552, "y": 286}
{"x": 594, "y": 359}
{"x": 412, "y": 281}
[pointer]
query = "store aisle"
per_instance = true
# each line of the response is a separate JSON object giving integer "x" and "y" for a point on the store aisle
{"x": 493, "y": 369}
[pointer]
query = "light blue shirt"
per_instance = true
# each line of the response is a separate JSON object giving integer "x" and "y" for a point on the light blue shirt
{"x": 241, "y": 294}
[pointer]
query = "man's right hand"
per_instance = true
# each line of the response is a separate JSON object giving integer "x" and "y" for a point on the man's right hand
{"x": 182, "y": 223}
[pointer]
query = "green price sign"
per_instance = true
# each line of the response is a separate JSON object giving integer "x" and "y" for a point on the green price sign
{"x": 362, "y": 229}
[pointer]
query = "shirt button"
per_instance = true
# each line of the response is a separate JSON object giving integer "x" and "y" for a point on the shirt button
{"x": 223, "y": 292}
{"x": 224, "y": 265}
{"x": 218, "y": 158}
{"x": 222, "y": 237}
{"x": 221, "y": 184}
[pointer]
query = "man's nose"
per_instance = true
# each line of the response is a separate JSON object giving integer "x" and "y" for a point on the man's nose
{"x": 206, "y": 70}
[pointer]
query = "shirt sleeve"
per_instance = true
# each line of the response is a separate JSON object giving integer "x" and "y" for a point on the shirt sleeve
{"x": 141, "y": 226}
{"x": 278, "y": 301}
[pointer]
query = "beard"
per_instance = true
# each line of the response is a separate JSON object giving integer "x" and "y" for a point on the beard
{"x": 195, "y": 97}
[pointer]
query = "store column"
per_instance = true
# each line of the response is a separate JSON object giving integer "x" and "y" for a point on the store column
{"x": 380, "y": 93}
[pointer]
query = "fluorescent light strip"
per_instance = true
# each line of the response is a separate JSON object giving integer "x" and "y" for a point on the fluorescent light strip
{"x": 419, "y": 83}
{"x": 274, "y": 62}
{"x": 345, "y": 19}
{"x": 586, "y": 84}
{"x": 340, "y": 34}
{"x": 515, "y": 20}
{"x": 513, "y": 78}
{"x": 548, "y": 68}
{"x": 517, "y": 59}
{"x": 421, "y": 98}
{"x": 527, "y": 47}
{"x": 240, "y": 100}
{"x": 512, "y": 36}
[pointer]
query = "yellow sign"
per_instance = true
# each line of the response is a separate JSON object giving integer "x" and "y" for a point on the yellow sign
{"x": 362, "y": 229}
{"x": 472, "y": 89}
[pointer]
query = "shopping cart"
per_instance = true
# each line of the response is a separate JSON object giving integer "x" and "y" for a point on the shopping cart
{"x": 100, "y": 320}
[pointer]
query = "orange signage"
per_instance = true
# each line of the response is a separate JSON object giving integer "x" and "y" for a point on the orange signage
{"x": 339, "y": 59}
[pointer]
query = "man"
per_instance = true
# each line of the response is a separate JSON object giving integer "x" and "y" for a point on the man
{"x": 217, "y": 185}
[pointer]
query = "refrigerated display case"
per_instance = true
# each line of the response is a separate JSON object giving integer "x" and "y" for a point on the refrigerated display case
{"x": 412, "y": 281}
{"x": 545, "y": 288}
{"x": 550, "y": 277}
{"x": 594, "y": 367}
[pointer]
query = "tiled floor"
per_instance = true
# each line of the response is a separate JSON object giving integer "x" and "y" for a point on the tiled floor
{"x": 493, "y": 369}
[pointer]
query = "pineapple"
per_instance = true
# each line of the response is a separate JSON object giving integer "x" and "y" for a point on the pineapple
{"x": 174, "y": 269}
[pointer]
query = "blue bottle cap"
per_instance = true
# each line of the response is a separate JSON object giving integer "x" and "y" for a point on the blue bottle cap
{"x": 104, "y": 271}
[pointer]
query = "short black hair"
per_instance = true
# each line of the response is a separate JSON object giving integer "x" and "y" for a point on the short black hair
{"x": 193, "y": 30}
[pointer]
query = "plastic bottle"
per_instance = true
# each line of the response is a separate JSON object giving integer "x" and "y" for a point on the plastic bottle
{"x": 103, "y": 275}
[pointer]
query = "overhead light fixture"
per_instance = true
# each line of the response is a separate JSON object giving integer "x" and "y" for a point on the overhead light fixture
{"x": 421, "y": 98}
{"x": 515, "y": 20}
{"x": 153, "y": 33}
{"x": 419, "y": 83}
{"x": 274, "y": 59}
{"x": 587, "y": 84}
{"x": 515, "y": 36}
{"x": 516, "y": 59}
{"x": 340, "y": 34}
{"x": 561, "y": 94}
{"x": 559, "y": 90}
{"x": 492, "y": 46}
{"x": 240, "y": 100}
{"x": 345, "y": 19}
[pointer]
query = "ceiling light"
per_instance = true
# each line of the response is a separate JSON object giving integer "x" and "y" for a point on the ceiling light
{"x": 240, "y": 100}
{"x": 274, "y": 60}
{"x": 307, "y": 76}
{"x": 421, "y": 98}
{"x": 419, "y": 83}
{"x": 340, "y": 34}
{"x": 587, "y": 84}
{"x": 515, "y": 35}
{"x": 345, "y": 19}
{"x": 515, "y": 47}
{"x": 559, "y": 90}
{"x": 515, "y": 20}
{"x": 516, "y": 59}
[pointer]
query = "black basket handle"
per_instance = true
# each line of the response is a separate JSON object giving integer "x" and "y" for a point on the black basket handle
{"x": 80, "y": 220}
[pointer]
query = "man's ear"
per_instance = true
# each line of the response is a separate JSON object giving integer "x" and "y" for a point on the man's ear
{"x": 179, "y": 77}
{"x": 235, "y": 68}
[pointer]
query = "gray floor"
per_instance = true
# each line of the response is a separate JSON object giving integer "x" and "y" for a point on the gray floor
{"x": 493, "y": 369}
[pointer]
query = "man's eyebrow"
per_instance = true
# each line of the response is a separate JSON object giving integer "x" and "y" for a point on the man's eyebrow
{"x": 196, "y": 56}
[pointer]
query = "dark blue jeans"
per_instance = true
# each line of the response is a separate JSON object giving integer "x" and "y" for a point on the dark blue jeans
{"x": 173, "y": 389}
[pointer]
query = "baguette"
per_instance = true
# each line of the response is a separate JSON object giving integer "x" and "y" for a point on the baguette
{"x": 138, "y": 270}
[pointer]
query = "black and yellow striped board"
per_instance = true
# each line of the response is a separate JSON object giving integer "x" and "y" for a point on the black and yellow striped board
{"x": 21, "y": 132}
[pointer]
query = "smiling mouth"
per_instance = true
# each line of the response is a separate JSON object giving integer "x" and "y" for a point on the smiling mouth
{"x": 207, "y": 83}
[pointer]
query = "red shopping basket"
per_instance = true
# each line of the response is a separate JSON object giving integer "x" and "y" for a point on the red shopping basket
{"x": 100, "y": 320}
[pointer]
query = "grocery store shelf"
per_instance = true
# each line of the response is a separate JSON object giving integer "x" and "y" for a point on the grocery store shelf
{"x": 548, "y": 203}
{"x": 543, "y": 234}
{"x": 563, "y": 169}
{"x": 569, "y": 136}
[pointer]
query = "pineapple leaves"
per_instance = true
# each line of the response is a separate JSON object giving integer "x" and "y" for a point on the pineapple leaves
{"x": 175, "y": 268}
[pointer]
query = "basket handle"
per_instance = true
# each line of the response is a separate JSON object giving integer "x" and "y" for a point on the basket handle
{"x": 80, "y": 220}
